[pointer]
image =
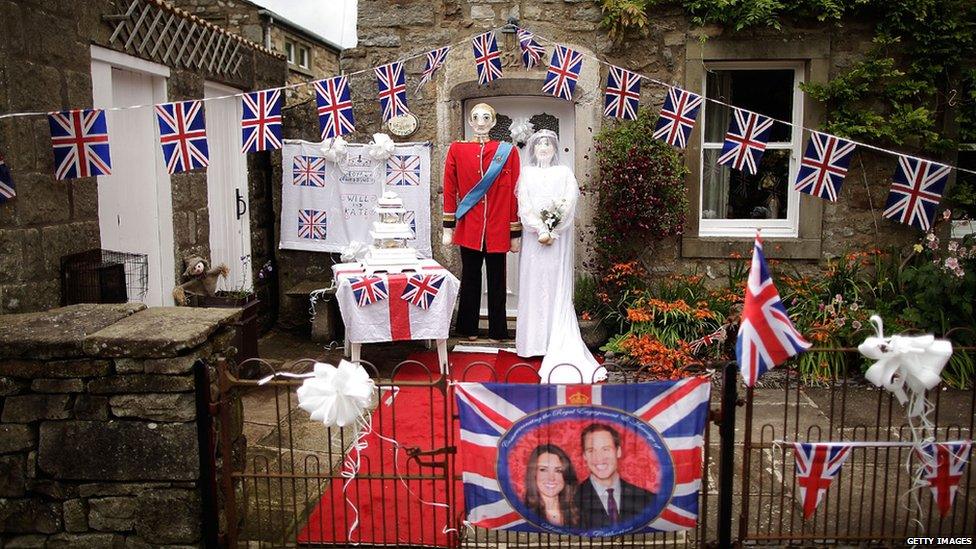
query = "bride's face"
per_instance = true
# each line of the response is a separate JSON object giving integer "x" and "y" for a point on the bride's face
{"x": 544, "y": 151}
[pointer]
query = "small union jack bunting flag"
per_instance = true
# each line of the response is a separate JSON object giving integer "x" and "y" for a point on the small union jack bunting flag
{"x": 334, "y": 107}
{"x": 368, "y": 289}
{"x": 403, "y": 170}
{"x": 824, "y": 166}
{"x": 261, "y": 120}
{"x": 916, "y": 191}
{"x": 623, "y": 94}
{"x": 183, "y": 135}
{"x": 564, "y": 69}
{"x": 7, "y": 191}
{"x": 435, "y": 58}
{"x": 308, "y": 171}
{"x": 390, "y": 81}
{"x": 746, "y": 141}
{"x": 532, "y": 52}
{"x": 422, "y": 289}
{"x": 487, "y": 59}
{"x": 677, "y": 117}
{"x": 817, "y": 466}
{"x": 80, "y": 142}
{"x": 312, "y": 224}
{"x": 943, "y": 465}
{"x": 766, "y": 334}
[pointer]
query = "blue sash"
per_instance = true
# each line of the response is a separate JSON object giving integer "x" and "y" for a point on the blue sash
{"x": 481, "y": 189}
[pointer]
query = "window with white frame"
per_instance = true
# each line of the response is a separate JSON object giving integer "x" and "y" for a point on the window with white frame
{"x": 290, "y": 52}
{"x": 734, "y": 203}
{"x": 303, "y": 57}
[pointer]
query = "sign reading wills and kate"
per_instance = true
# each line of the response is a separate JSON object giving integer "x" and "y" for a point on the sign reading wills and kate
{"x": 590, "y": 460}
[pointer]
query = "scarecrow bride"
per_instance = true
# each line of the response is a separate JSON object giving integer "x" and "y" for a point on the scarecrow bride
{"x": 546, "y": 322}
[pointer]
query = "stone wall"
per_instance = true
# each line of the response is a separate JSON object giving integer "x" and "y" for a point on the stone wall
{"x": 98, "y": 425}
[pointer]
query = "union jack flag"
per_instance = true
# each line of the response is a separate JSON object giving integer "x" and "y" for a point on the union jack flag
{"x": 435, "y": 58}
{"x": 943, "y": 464}
{"x": 677, "y": 117}
{"x": 403, "y": 170}
{"x": 623, "y": 94}
{"x": 766, "y": 334}
{"x": 661, "y": 428}
{"x": 916, "y": 191}
{"x": 6, "y": 183}
{"x": 368, "y": 289}
{"x": 80, "y": 142}
{"x": 487, "y": 59}
{"x": 390, "y": 81}
{"x": 746, "y": 141}
{"x": 334, "y": 107}
{"x": 183, "y": 135}
{"x": 532, "y": 52}
{"x": 311, "y": 224}
{"x": 422, "y": 289}
{"x": 816, "y": 467}
{"x": 410, "y": 218}
{"x": 564, "y": 69}
{"x": 824, "y": 166}
{"x": 308, "y": 171}
{"x": 261, "y": 120}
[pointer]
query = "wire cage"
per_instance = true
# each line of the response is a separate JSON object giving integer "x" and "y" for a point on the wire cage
{"x": 103, "y": 276}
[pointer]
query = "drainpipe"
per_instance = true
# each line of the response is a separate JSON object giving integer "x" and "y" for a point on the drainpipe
{"x": 267, "y": 20}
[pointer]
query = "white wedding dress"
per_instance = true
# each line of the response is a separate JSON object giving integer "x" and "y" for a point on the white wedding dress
{"x": 546, "y": 321}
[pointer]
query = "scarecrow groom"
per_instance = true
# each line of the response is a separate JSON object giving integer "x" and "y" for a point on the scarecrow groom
{"x": 481, "y": 216}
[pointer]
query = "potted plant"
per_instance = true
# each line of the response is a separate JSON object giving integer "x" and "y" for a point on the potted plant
{"x": 589, "y": 310}
{"x": 246, "y": 325}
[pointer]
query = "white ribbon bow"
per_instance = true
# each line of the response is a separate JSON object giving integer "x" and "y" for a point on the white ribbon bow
{"x": 381, "y": 147}
{"x": 334, "y": 150}
{"x": 336, "y": 396}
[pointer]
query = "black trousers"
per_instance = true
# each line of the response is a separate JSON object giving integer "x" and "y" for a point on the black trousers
{"x": 469, "y": 300}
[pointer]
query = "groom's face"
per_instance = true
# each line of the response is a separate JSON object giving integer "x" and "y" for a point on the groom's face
{"x": 601, "y": 455}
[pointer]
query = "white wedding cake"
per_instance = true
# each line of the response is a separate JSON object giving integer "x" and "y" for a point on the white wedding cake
{"x": 390, "y": 234}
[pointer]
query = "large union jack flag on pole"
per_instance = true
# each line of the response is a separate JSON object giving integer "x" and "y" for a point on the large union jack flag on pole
{"x": 261, "y": 120}
{"x": 766, "y": 334}
{"x": 183, "y": 135}
{"x": 487, "y": 59}
{"x": 368, "y": 289}
{"x": 334, "y": 107}
{"x": 435, "y": 58}
{"x": 80, "y": 142}
{"x": 392, "y": 88}
{"x": 659, "y": 426}
{"x": 564, "y": 69}
{"x": 824, "y": 166}
{"x": 942, "y": 468}
{"x": 422, "y": 289}
{"x": 622, "y": 94}
{"x": 746, "y": 141}
{"x": 817, "y": 465}
{"x": 677, "y": 117}
{"x": 532, "y": 52}
{"x": 916, "y": 191}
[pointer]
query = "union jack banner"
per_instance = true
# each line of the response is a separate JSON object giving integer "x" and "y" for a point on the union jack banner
{"x": 942, "y": 466}
{"x": 916, "y": 191}
{"x": 824, "y": 166}
{"x": 766, "y": 334}
{"x": 261, "y": 120}
{"x": 435, "y": 58}
{"x": 334, "y": 107}
{"x": 532, "y": 52}
{"x": 746, "y": 141}
{"x": 564, "y": 69}
{"x": 816, "y": 467}
{"x": 422, "y": 289}
{"x": 308, "y": 171}
{"x": 655, "y": 430}
{"x": 80, "y": 142}
{"x": 410, "y": 218}
{"x": 487, "y": 59}
{"x": 312, "y": 224}
{"x": 7, "y": 191}
{"x": 622, "y": 94}
{"x": 403, "y": 170}
{"x": 183, "y": 135}
{"x": 677, "y": 117}
{"x": 368, "y": 289}
{"x": 392, "y": 88}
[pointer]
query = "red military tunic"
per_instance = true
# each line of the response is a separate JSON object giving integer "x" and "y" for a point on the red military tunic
{"x": 493, "y": 221}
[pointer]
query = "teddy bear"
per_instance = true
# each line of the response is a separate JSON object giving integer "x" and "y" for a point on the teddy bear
{"x": 202, "y": 279}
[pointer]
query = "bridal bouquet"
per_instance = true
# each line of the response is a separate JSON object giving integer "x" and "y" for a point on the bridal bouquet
{"x": 552, "y": 215}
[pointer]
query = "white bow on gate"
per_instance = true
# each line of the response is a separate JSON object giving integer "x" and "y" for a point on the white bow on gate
{"x": 381, "y": 148}
{"x": 336, "y": 396}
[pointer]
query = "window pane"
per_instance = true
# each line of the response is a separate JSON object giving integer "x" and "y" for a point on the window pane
{"x": 732, "y": 194}
{"x": 303, "y": 57}
{"x": 767, "y": 92}
{"x": 290, "y": 52}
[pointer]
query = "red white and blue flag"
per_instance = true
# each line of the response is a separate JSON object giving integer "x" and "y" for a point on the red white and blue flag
{"x": 745, "y": 142}
{"x": 767, "y": 337}
{"x": 487, "y": 59}
{"x": 183, "y": 135}
{"x": 312, "y": 224}
{"x": 564, "y": 69}
{"x": 334, "y": 107}
{"x": 943, "y": 465}
{"x": 659, "y": 427}
{"x": 532, "y": 52}
{"x": 80, "y": 142}
{"x": 824, "y": 166}
{"x": 916, "y": 191}
{"x": 817, "y": 465}
{"x": 403, "y": 170}
{"x": 7, "y": 191}
{"x": 422, "y": 289}
{"x": 622, "y": 94}
{"x": 392, "y": 88}
{"x": 368, "y": 289}
{"x": 435, "y": 58}
{"x": 677, "y": 117}
{"x": 308, "y": 171}
{"x": 261, "y": 120}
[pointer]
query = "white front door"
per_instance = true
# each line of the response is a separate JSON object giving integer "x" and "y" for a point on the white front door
{"x": 544, "y": 113}
{"x": 227, "y": 198}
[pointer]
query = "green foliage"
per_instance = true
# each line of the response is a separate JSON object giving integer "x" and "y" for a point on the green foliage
{"x": 586, "y": 297}
{"x": 620, "y": 16}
